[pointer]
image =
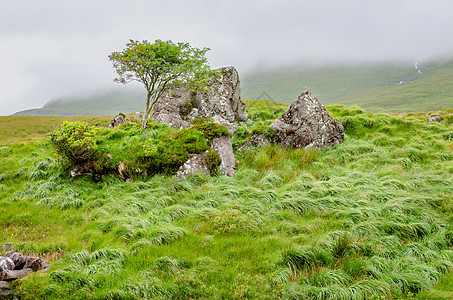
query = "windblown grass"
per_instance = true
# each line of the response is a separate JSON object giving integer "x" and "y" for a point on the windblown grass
{"x": 370, "y": 218}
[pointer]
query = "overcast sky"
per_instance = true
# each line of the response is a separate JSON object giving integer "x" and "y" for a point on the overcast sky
{"x": 54, "y": 48}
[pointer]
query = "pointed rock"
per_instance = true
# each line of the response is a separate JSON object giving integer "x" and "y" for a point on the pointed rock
{"x": 306, "y": 123}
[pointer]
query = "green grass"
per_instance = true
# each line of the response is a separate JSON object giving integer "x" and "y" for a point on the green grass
{"x": 371, "y": 218}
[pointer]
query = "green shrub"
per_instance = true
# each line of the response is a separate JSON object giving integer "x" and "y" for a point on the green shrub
{"x": 75, "y": 142}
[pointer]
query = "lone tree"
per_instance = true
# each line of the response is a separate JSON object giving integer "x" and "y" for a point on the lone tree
{"x": 160, "y": 66}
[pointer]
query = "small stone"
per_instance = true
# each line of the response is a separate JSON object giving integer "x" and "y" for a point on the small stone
{"x": 9, "y": 275}
{"x": 8, "y": 246}
{"x": 139, "y": 115}
{"x": 33, "y": 263}
{"x": 256, "y": 140}
{"x": 18, "y": 259}
{"x": 5, "y": 290}
{"x": 6, "y": 263}
{"x": 118, "y": 120}
{"x": 45, "y": 266}
{"x": 434, "y": 119}
{"x": 195, "y": 164}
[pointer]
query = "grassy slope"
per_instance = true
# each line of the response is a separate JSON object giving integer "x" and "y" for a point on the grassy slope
{"x": 371, "y": 218}
{"x": 28, "y": 128}
{"x": 328, "y": 84}
{"x": 370, "y": 87}
{"x": 432, "y": 91}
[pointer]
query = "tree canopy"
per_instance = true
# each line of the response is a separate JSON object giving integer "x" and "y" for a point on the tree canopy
{"x": 160, "y": 66}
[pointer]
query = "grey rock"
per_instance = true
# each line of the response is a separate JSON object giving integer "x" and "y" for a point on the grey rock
{"x": 306, "y": 123}
{"x": 5, "y": 290}
{"x": 195, "y": 164}
{"x": 6, "y": 263}
{"x": 434, "y": 119}
{"x": 256, "y": 140}
{"x": 18, "y": 259}
{"x": 8, "y": 246}
{"x": 33, "y": 263}
{"x": 9, "y": 275}
{"x": 228, "y": 162}
{"x": 118, "y": 120}
{"x": 222, "y": 102}
{"x": 77, "y": 171}
{"x": 45, "y": 266}
{"x": 139, "y": 115}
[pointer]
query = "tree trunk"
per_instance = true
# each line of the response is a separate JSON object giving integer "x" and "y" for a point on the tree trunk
{"x": 147, "y": 110}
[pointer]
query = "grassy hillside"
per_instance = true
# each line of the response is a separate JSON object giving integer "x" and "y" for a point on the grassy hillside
{"x": 329, "y": 84}
{"x": 432, "y": 91}
{"x": 371, "y": 218}
{"x": 107, "y": 103}
{"x": 372, "y": 87}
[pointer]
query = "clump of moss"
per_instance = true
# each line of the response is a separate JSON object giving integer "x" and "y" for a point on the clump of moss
{"x": 210, "y": 129}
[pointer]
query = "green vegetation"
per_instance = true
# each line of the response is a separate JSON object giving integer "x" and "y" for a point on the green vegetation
{"x": 128, "y": 150}
{"x": 371, "y": 218}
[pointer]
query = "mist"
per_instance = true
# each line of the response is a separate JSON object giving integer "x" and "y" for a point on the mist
{"x": 51, "y": 49}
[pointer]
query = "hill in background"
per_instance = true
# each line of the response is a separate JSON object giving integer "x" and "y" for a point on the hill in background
{"x": 107, "y": 103}
{"x": 374, "y": 88}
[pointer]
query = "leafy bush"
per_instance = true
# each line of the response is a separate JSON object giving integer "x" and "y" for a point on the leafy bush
{"x": 75, "y": 141}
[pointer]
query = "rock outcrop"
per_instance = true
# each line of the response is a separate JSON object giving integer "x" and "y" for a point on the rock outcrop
{"x": 222, "y": 102}
{"x": 306, "y": 123}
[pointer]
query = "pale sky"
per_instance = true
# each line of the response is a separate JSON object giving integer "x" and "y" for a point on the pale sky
{"x": 54, "y": 48}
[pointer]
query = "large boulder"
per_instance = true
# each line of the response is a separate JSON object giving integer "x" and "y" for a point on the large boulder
{"x": 306, "y": 123}
{"x": 221, "y": 101}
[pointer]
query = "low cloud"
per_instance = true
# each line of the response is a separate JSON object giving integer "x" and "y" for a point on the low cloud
{"x": 53, "y": 48}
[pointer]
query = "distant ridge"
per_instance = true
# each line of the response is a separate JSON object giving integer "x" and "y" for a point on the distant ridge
{"x": 376, "y": 88}
{"x": 101, "y": 104}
